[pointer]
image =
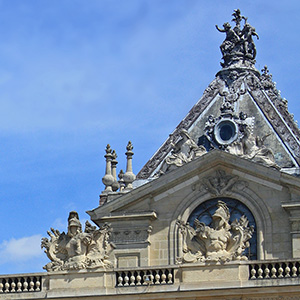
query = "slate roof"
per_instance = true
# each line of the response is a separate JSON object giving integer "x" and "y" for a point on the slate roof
{"x": 237, "y": 78}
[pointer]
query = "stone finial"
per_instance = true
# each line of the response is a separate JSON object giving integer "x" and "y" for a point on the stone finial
{"x": 108, "y": 178}
{"x": 115, "y": 185}
{"x": 129, "y": 177}
{"x": 121, "y": 180}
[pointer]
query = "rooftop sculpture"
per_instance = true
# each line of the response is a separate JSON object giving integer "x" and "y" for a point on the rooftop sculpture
{"x": 76, "y": 249}
{"x": 240, "y": 112}
{"x": 238, "y": 44}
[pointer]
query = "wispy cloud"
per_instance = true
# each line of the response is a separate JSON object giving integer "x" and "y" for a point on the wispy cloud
{"x": 21, "y": 250}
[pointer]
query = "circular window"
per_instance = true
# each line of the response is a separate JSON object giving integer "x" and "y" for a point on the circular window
{"x": 226, "y": 131}
{"x": 204, "y": 213}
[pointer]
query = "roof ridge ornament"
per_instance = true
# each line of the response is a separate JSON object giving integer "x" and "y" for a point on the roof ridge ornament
{"x": 238, "y": 48}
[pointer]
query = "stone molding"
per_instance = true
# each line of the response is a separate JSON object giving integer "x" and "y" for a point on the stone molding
{"x": 132, "y": 235}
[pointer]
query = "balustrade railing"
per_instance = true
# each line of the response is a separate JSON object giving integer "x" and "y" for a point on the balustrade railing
{"x": 274, "y": 270}
{"x": 258, "y": 270}
{"x": 145, "y": 277}
{"x": 20, "y": 284}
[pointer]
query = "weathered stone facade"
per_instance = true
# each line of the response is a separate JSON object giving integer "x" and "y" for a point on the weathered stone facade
{"x": 214, "y": 214}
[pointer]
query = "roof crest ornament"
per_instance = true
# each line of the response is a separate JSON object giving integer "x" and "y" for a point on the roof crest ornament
{"x": 238, "y": 46}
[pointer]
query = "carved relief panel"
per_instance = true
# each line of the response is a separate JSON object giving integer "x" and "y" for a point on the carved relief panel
{"x": 219, "y": 230}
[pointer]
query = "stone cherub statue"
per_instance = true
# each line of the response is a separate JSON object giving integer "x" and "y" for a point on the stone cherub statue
{"x": 219, "y": 242}
{"x": 238, "y": 44}
{"x": 231, "y": 39}
{"x": 77, "y": 249}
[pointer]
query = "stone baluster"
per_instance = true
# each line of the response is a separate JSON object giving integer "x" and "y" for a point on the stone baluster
{"x": 126, "y": 279}
{"x": 132, "y": 279}
{"x": 294, "y": 270}
{"x": 287, "y": 271}
{"x": 267, "y": 272}
{"x": 108, "y": 179}
{"x": 120, "y": 280}
{"x": 6, "y": 287}
{"x": 38, "y": 285}
{"x": 157, "y": 277}
{"x": 138, "y": 278}
{"x": 25, "y": 285}
{"x": 13, "y": 287}
{"x": 260, "y": 272}
{"x": 280, "y": 271}
{"x": 170, "y": 277}
{"x": 129, "y": 177}
{"x": 1, "y": 287}
{"x": 164, "y": 277}
{"x": 253, "y": 272}
{"x": 19, "y": 285}
{"x": 31, "y": 285}
{"x": 121, "y": 180}
{"x": 273, "y": 271}
{"x": 115, "y": 185}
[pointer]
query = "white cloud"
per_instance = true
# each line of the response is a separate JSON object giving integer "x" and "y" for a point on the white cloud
{"x": 21, "y": 250}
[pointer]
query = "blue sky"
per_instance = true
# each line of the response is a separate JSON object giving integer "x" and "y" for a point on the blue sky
{"x": 78, "y": 74}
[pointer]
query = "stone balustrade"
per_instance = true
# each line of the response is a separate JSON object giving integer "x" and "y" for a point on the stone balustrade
{"x": 145, "y": 277}
{"x": 274, "y": 270}
{"x": 156, "y": 279}
{"x": 20, "y": 284}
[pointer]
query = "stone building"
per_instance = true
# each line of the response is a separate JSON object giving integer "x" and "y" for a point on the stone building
{"x": 214, "y": 213}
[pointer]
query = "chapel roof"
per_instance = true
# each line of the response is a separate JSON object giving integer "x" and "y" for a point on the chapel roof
{"x": 240, "y": 112}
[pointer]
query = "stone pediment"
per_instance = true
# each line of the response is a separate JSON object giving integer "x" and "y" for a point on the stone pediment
{"x": 162, "y": 211}
{"x": 222, "y": 187}
{"x": 229, "y": 171}
{"x": 240, "y": 102}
